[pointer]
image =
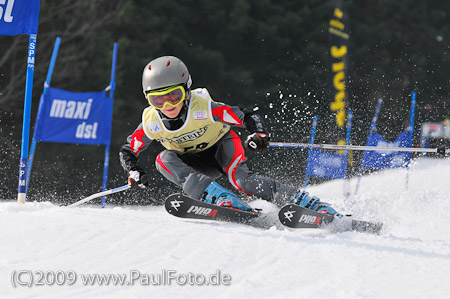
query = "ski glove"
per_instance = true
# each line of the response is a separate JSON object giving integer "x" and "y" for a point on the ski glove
{"x": 257, "y": 142}
{"x": 137, "y": 178}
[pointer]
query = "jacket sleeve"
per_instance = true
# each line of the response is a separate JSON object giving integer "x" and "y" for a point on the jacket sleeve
{"x": 133, "y": 146}
{"x": 236, "y": 116}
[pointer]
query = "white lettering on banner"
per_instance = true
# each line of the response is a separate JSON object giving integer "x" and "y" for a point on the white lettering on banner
{"x": 7, "y": 17}
{"x": 319, "y": 171}
{"x": 85, "y": 131}
{"x": 388, "y": 144}
{"x": 332, "y": 162}
{"x": 70, "y": 109}
{"x": 398, "y": 160}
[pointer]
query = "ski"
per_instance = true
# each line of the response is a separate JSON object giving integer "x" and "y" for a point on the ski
{"x": 289, "y": 215}
{"x": 295, "y": 216}
{"x": 185, "y": 207}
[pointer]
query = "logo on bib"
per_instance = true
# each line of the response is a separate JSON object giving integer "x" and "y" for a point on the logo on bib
{"x": 154, "y": 127}
{"x": 199, "y": 115}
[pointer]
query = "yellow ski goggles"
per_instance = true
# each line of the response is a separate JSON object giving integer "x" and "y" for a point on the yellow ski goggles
{"x": 168, "y": 96}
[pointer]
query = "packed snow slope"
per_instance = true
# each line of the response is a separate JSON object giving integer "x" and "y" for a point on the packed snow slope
{"x": 409, "y": 259}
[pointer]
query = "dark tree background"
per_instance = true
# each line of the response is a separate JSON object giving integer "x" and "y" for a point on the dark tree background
{"x": 264, "y": 54}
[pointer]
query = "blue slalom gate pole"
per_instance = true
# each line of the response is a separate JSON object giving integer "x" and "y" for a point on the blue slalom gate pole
{"x": 21, "y": 196}
{"x": 311, "y": 141}
{"x": 105, "y": 173}
{"x": 46, "y": 86}
{"x": 411, "y": 135}
{"x": 411, "y": 118}
{"x": 112, "y": 86}
{"x": 373, "y": 126}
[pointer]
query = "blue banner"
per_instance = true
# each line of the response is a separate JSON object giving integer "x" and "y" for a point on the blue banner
{"x": 326, "y": 165}
{"x": 74, "y": 117}
{"x": 386, "y": 159}
{"x": 19, "y": 17}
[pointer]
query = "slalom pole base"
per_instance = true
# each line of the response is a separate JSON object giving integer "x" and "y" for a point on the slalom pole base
{"x": 21, "y": 197}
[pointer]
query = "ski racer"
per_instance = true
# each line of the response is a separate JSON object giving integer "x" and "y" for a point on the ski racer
{"x": 200, "y": 144}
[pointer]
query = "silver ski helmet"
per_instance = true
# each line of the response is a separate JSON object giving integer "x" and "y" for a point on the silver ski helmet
{"x": 163, "y": 72}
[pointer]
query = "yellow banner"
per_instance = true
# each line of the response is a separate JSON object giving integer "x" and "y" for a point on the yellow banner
{"x": 338, "y": 30}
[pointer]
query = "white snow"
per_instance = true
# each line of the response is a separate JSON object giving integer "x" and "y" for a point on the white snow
{"x": 409, "y": 259}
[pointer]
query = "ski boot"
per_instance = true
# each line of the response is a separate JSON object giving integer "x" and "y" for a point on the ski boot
{"x": 313, "y": 203}
{"x": 218, "y": 195}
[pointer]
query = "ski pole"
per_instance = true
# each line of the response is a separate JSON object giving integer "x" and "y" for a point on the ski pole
{"x": 440, "y": 150}
{"x": 96, "y": 195}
